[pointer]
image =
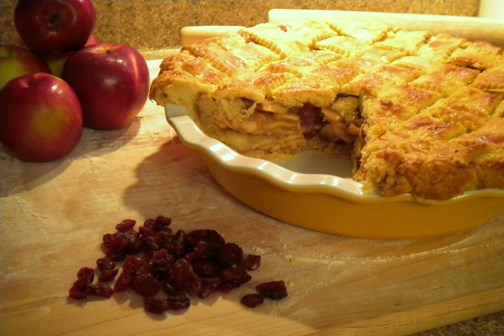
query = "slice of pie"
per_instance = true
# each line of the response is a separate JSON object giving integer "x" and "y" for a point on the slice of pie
{"x": 417, "y": 112}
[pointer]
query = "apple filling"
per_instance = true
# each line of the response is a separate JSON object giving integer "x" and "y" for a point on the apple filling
{"x": 270, "y": 129}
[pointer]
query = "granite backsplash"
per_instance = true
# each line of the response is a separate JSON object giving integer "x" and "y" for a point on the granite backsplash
{"x": 155, "y": 24}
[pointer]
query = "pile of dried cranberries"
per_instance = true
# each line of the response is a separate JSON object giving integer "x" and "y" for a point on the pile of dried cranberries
{"x": 168, "y": 268}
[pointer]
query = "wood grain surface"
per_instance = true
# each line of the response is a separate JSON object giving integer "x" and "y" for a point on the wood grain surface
{"x": 53, "y": 216}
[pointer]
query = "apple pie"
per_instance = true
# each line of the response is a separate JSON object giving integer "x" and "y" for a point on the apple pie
{"x": 418, "y": 112}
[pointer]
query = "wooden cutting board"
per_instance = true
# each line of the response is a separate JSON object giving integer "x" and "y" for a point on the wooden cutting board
{"x": 53, "y": 216}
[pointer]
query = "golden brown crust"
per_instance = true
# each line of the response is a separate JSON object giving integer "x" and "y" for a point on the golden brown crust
{"x": 425, "y": 111}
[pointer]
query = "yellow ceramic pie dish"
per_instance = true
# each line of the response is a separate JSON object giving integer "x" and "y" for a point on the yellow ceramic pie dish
{"x": 328, "y": 203}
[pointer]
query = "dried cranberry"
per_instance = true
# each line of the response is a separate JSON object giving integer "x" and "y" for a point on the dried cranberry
{"x": 145, "y": 266}
{"x": 162, "y": 223}
{"x": 206, "y": 235}
{"x": 202, "y": 250}
{"x": 126, "y": 225}
{"x": 81, "y": 287}
{"x": 311, "y": 118}
{"x": 170, "y": 291}
{"x": 174, "y": 244}
{"x": 150, "y": 244}
{"x": 86, "y": 274}
{"x": 175, "y": 248}
{"x": 163, "y": 238}
{"x": 108, "y": 275}
{"x": 183, "y": 277}
{"x": 155, "y": 306}
{"x": 250, "y": 262}
{"x": 230, "y": 254}
{"x": 206, "y": 268}
{"x": 145, "y": 284}
{"x": 177, "y": 302}
{"x": 274, "y": 290}
{"x": 135, "y": 244}
{"x": 252, "y": 300}
{"x": 146, "y": 232}
{"x": 132, "y": 264}
{"x": 233, "y": 277}
{"x": 115, "y": 246}
{"x": 180, "y": 236}
{"x": 209, "y": 286}
{"x": 162, "y": 260}
{"x": 123, "y": 282}
{"x": 105, "y": 264}
{"x": 197, "y": 263}
{"x": 101, "y": 289}
{"x": 79, "y": 290}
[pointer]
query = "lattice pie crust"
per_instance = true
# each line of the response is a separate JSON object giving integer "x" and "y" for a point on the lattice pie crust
{"x": 418, "y": 112}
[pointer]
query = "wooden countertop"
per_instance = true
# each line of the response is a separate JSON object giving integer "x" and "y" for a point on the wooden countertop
{"x": 53, "y": 216}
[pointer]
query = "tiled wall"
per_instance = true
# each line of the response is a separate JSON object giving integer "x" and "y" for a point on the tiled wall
{"x": 155, "y": 24}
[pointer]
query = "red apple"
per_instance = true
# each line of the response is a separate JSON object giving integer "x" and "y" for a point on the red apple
{"x": 54, "y": 26}
{"x": 16, "y": 61}
{"x": 112, "y": 83}
{"x": 40, "y": 117}
{"x": 56, "y": 62}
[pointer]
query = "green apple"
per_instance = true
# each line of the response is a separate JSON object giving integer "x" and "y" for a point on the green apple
{"x": 17, "y": 61}
{"x": 56, "y": 62}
